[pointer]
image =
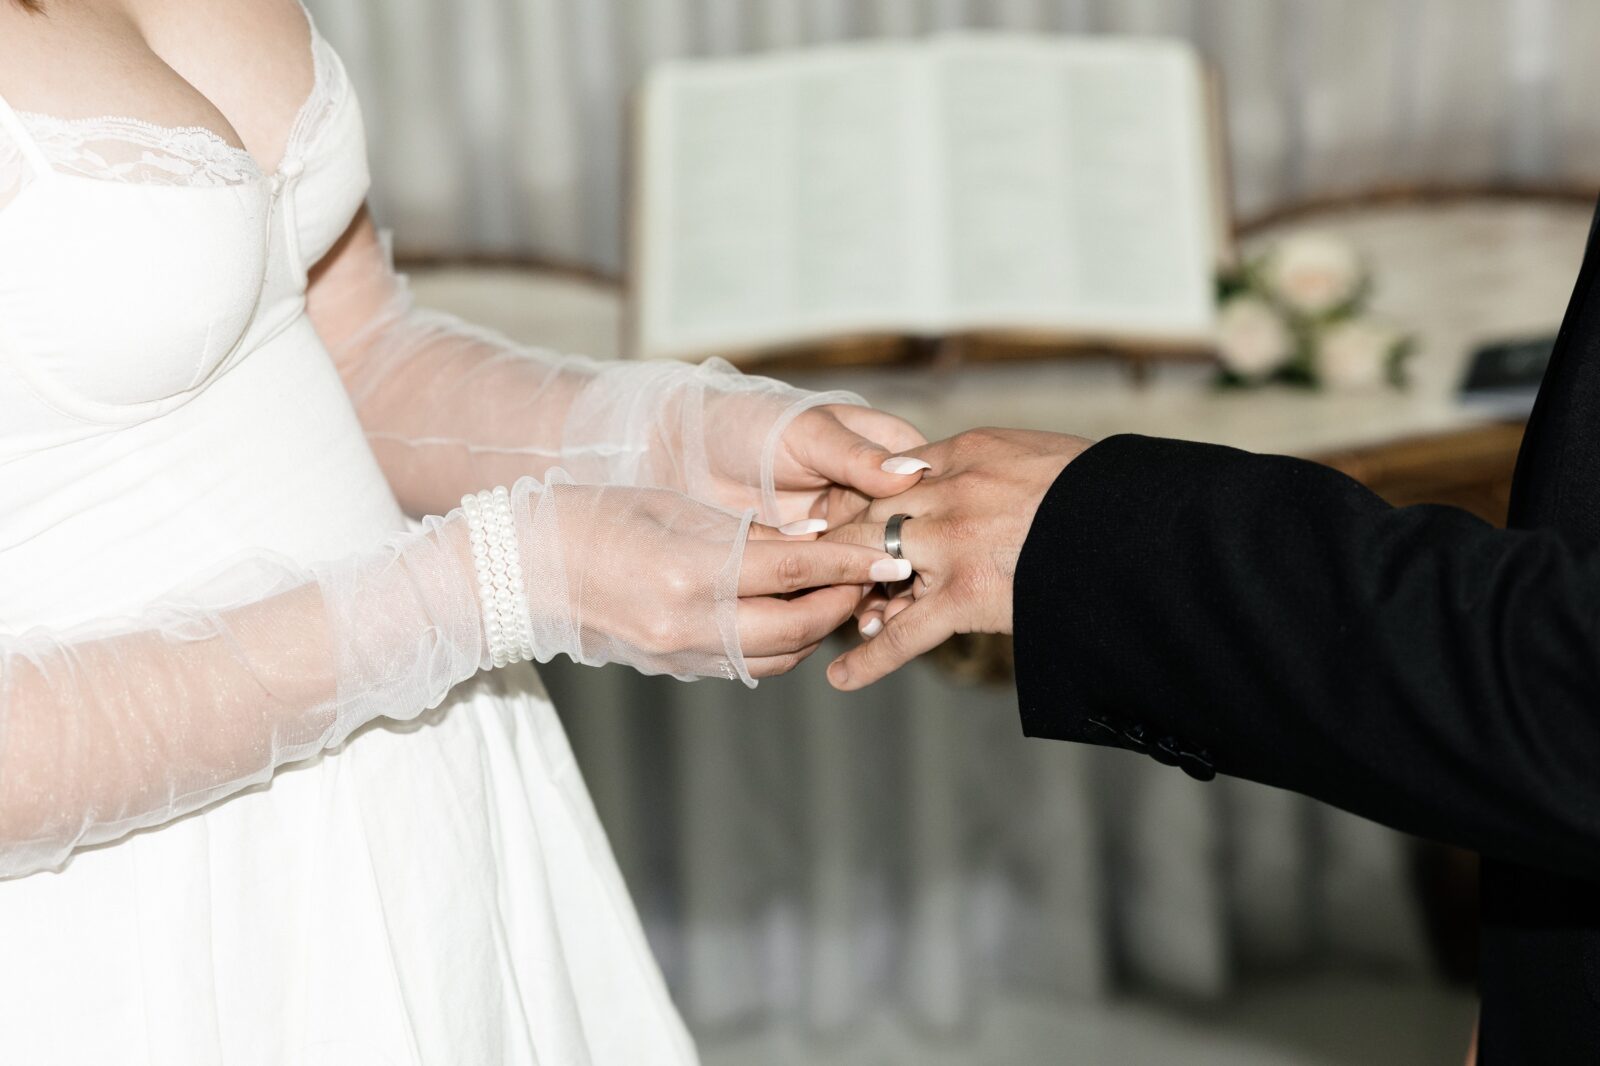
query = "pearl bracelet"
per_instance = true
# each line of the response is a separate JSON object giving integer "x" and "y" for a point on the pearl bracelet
{"x": 495, "y": 556}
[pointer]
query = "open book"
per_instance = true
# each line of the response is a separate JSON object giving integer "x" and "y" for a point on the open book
{"x": 1069, "y": 190}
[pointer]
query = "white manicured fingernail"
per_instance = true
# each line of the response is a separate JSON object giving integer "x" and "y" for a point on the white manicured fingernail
{"x": 872, "y": 627}
{"x": 903, "y": 464}
{"x": 804, "y": 526}
{"x": 890, "y": 570}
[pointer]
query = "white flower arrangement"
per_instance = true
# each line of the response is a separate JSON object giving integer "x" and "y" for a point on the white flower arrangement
{"x": 1297, "y": 314}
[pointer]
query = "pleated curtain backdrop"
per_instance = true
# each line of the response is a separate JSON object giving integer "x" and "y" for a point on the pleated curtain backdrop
{"x": 806, "y": 858}
{"x": 499, "y": 126}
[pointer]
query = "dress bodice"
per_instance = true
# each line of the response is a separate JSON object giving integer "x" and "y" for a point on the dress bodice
{"x": 166, "y": 403}
{"x": 439, "y": 891}
{"x": 136, "y": 261}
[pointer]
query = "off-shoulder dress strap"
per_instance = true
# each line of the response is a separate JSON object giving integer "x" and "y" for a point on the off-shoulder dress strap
{"x": 12, "y": 123}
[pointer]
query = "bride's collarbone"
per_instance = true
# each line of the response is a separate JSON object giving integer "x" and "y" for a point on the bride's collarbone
{"x": 238, "y": 68}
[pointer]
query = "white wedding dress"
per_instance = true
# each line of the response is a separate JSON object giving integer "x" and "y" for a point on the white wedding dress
{"x": 437, "y": 891}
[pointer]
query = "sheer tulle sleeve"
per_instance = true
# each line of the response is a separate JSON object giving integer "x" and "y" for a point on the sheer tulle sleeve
{"x": 113, "y": 726}
{"x": 448, "y": 406}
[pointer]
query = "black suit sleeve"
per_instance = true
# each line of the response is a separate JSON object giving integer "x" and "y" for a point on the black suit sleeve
{"x": 1271, "y": 619}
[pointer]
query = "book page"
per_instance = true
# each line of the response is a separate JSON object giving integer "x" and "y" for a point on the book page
{"x": 1080, "y": 190}
{"x": 971, "y": 183}
{"x": 775, "y": 206}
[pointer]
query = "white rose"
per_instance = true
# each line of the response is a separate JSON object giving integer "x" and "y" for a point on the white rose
{"x": 1355, "y": 354}
{"x": 1252, "y": 337}
{"x": 1314, "y": 273}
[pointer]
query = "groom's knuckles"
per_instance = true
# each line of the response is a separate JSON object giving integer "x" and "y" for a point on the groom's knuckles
{"x": 922, "y": 502}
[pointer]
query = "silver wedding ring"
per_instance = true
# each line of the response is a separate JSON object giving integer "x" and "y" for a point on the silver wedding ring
{"x": 891, "y": 536}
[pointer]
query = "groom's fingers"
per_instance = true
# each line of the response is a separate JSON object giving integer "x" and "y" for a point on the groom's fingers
{"x": 915, "y": 631}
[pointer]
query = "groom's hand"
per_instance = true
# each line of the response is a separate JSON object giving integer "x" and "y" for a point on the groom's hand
{"x": 969, "y": 518}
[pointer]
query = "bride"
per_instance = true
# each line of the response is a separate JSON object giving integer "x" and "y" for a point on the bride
{"x": 217, "y": 408}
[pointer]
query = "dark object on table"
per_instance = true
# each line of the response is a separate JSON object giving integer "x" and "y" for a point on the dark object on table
{"x": 1505, "y": 376}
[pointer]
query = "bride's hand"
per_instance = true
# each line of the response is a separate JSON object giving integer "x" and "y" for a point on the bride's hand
{"x": 654, "y": 579}
{"x": 807, "y": 461}
{"x": 778, "y": 630}
{"x": 830, "y": 463}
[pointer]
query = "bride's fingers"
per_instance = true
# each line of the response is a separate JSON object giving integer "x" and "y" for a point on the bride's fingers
{"x": 772, "y": 626}
{"x": 772, "y": 567}
{"x": 801, "y": 529}
{"x": 824, "y": 444}
{"x": 842, "y": 505}
{"x": 869, "y": 613}
{"x": 921, "y": 539}
{"x": 773, "y": 665}
{"x": 863, "y": 523}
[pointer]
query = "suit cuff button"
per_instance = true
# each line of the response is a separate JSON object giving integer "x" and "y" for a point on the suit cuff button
{"x": 1197, "y": 764}
{"x": 1135, "y": 735}
{"x": 1166, "y": 751}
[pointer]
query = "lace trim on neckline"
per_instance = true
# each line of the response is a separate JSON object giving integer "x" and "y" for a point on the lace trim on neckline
{"x": 127, "y": 150}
